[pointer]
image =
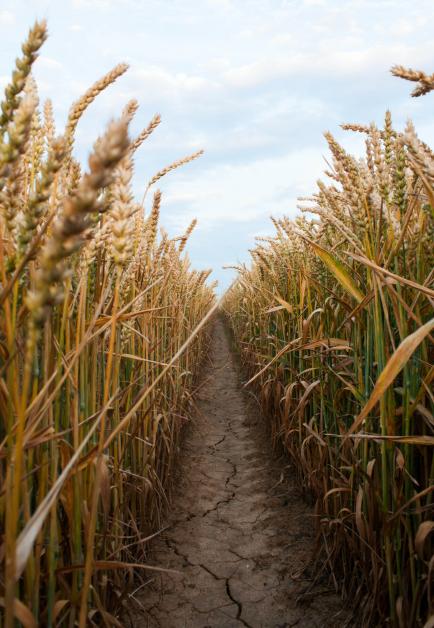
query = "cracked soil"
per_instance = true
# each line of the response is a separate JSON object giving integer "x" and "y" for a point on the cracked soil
{"x": 239, "y": 533}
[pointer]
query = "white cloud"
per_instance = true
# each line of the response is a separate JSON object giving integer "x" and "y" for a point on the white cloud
{"x": 48, "y": 63}
{"x": 162, "y": 81}
{"x": 283, "y": 38}
{"x": 225, "y": 6}
{"x": 403, "y": 26}
{"x": 7, "y": 18}
{"x": 98, "y": 4}
{"x": 323, "y": 61}
{"x": 243, "y": 192}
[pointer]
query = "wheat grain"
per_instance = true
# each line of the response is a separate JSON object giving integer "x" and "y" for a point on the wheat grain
{"x": 37, "y": 36}
{"x": 173, "y": 166}
{"x": 80, "y": 106}
{"x": 146, "y": 132}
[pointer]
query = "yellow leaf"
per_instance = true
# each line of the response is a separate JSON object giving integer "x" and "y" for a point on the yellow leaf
{"x": 22, "y": 613}
{"x": 394, "y": 366}
{"x": 337, "y": 343}
{"x": 423, "y": 531}
{"x": 284, "y": 304}
{"x": 105, "y": 485}
{"x": 58, "y": 608}
{"x": 338, "y": 271}
{"x": 277, "y": 308}
{"x": 360, "y": 522}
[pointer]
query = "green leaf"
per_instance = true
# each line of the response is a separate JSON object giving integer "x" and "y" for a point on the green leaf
{"x": 393, "y": 367}
{"x": 338, "y": 270}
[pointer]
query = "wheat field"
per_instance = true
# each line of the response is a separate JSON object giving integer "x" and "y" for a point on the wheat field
{"x": 105, "y": 326}
{"x": 334, "y": 319}
{"x": 98, "y": 357}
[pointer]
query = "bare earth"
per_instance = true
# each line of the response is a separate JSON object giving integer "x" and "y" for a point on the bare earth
{"x": 239, "y": 533}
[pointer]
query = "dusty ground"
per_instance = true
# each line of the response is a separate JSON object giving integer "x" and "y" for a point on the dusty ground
{"x": 239, "y": 533}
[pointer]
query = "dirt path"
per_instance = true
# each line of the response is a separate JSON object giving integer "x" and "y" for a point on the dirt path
{"x": 238, "y": 532}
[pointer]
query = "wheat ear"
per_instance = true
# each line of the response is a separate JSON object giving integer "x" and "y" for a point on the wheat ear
{"x": 80, "y": 106}
{"x": 146, "y": 132}
{"x": 173, "y": 166}
{"x": 66, "y": 235}
{"x": 426, "y": 81}
{"x": 36, "y": 37}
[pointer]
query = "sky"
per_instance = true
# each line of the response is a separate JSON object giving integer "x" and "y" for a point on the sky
{"x": 255, "y": 83}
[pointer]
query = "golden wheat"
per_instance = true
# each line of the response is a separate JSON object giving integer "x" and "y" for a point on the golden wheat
{"x": 334, "y": 320}
{"x": 102, "y": 328}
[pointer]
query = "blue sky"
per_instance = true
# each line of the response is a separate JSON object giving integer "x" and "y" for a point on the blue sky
{"x": 253, "y": 82}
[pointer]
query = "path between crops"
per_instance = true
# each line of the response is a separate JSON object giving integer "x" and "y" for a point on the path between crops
{"x": 239, "y": 532}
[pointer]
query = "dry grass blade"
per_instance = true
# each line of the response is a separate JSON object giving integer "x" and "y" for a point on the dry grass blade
{"x": 22, "y": 614}
{"x": 30, "y": 532}
{"x": 149, "y": 388}
{"x": 403, "y": 280}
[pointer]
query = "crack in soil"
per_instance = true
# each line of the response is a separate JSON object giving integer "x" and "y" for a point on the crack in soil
{"x": 221, "y": 501}
{"x": 227, "y": 534}
{"x": 239, "y": 605}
